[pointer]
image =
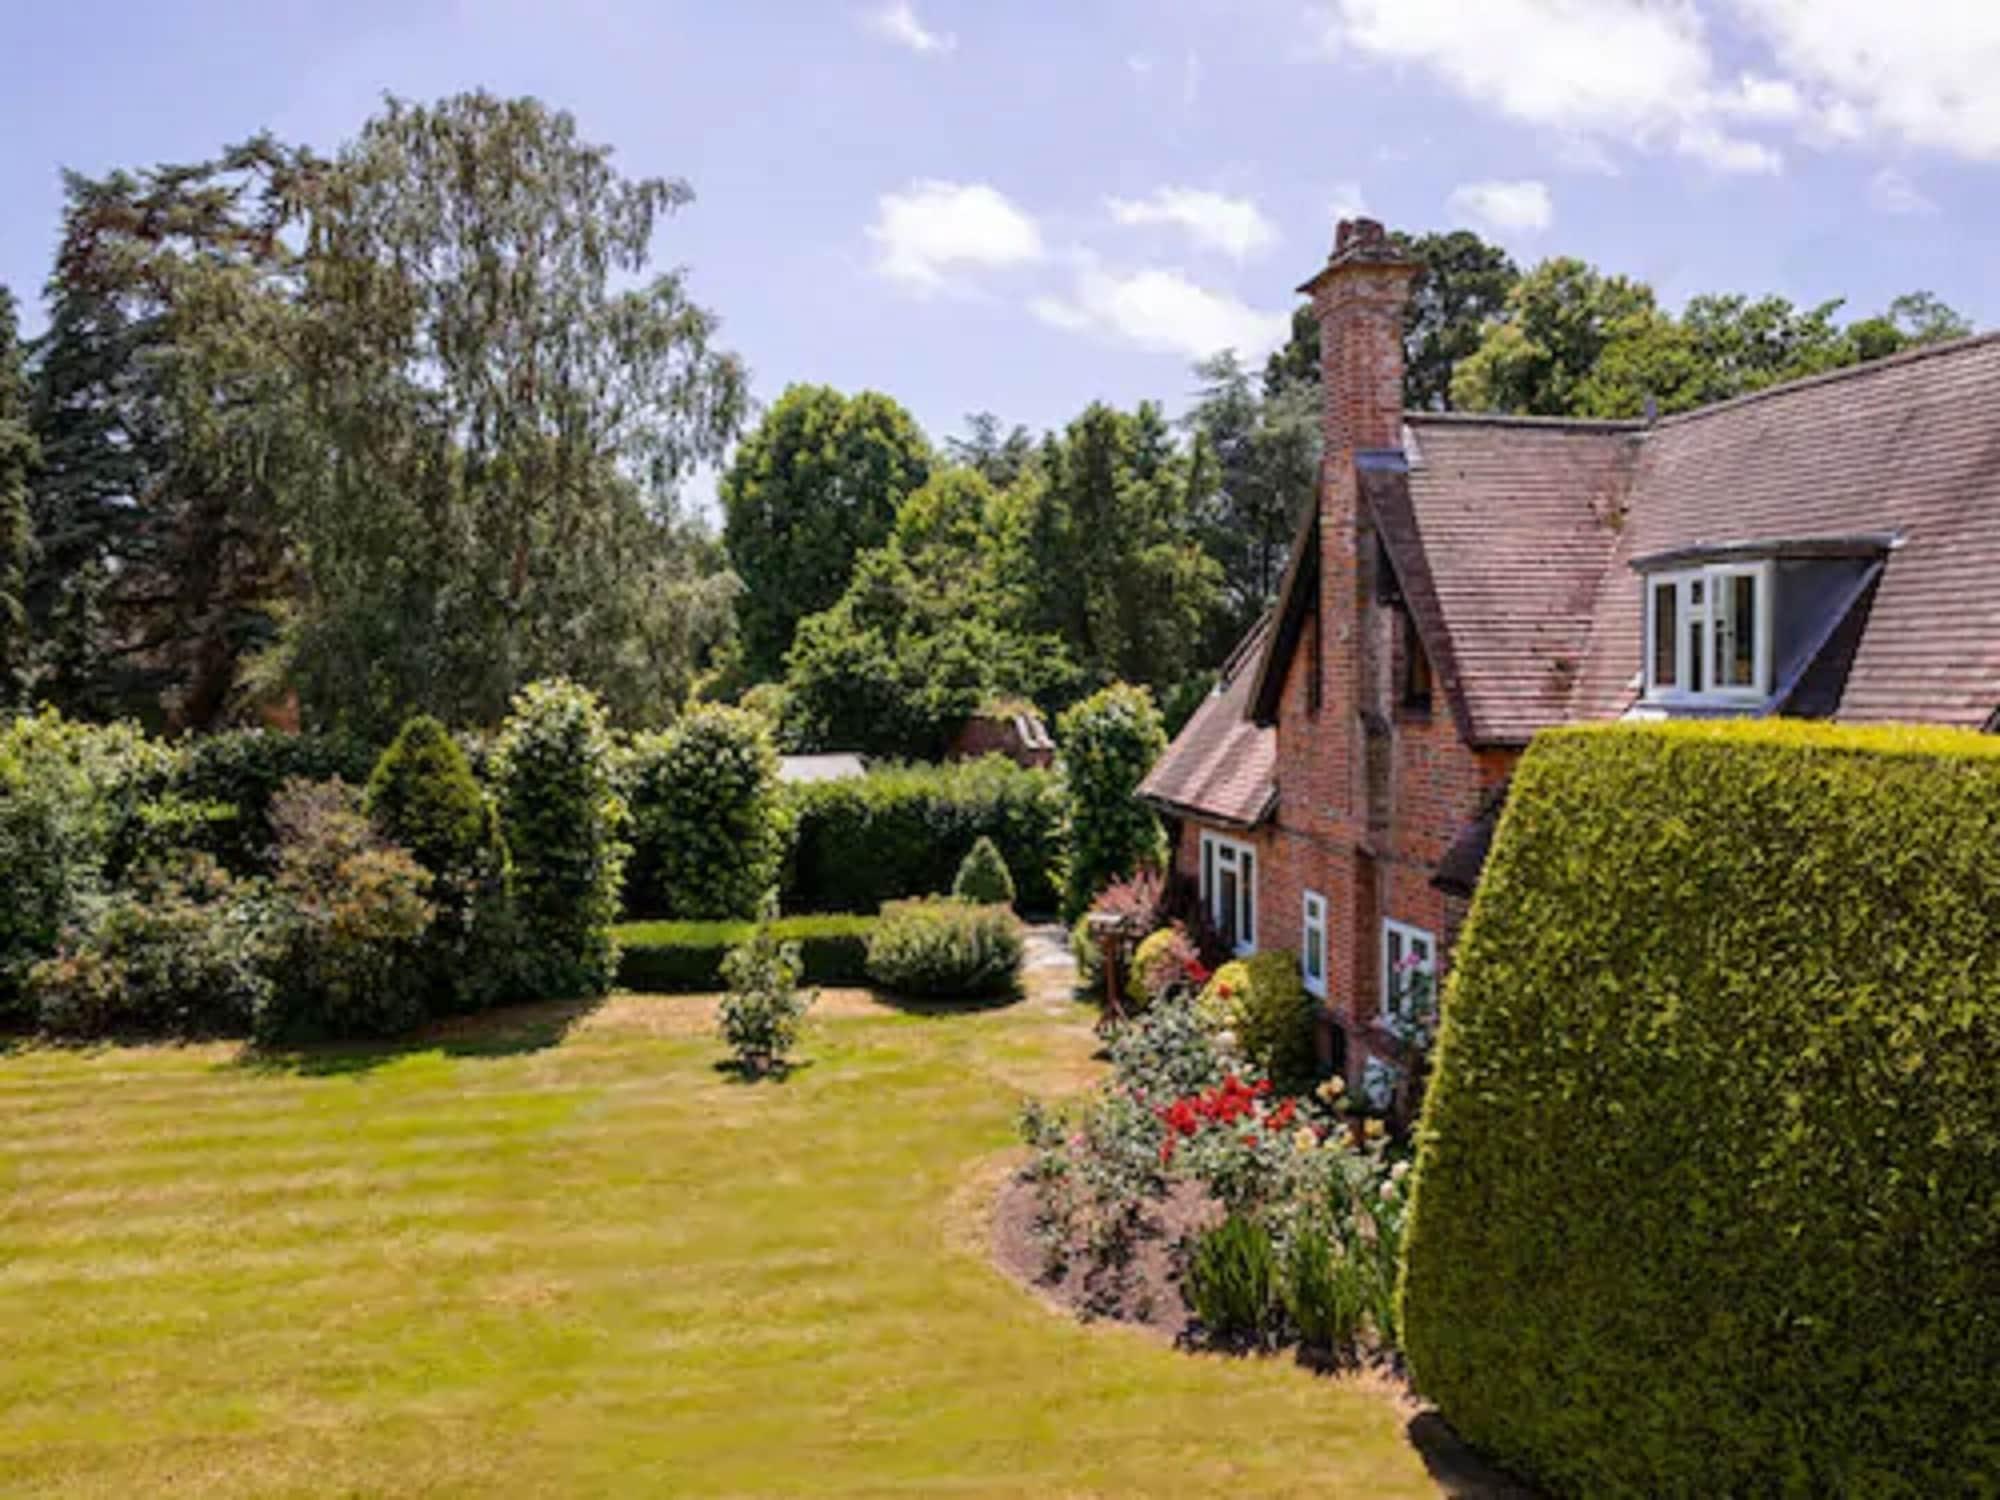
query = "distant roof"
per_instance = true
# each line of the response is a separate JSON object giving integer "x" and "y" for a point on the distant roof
{"x": 834, "y": 767}
{"x": 1221, "y": 767}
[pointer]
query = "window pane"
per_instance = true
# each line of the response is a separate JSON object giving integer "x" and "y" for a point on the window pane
{"x": 1249, "y": 899}
{"x": 1225, "y": 915}
{"x": 1740, "y": 667}
{"x": 1697, "y": 679}
{"x": 1666, "y": 634}
{"x": 1314, "y": 958}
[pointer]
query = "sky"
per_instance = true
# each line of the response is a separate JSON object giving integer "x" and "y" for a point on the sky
{"x": 1024, "y": 206}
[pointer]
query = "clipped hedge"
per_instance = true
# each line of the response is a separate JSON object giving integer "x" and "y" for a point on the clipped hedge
{"x": 902, "y": 831}
{"x": 686, "y": 957}
{"x": 1708, "y": 1191}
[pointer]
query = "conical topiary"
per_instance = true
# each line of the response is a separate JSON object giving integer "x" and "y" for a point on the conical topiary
{"x": 983, "y": 877}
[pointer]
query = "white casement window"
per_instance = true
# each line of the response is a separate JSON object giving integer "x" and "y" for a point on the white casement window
{"x": 1229, "y": 890}
{"x": 1312, "y": 944}
{"x": 1708, "y": 633}
{"x": 1409, "y": 960}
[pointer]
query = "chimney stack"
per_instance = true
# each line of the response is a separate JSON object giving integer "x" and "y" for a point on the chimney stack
{"x": 1359, "y": 297}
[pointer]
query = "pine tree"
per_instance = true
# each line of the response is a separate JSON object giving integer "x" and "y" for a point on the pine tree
{"x": 17, "y": 456}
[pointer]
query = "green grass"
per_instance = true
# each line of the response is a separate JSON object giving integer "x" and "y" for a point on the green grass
{"x": 574, "y": 1258}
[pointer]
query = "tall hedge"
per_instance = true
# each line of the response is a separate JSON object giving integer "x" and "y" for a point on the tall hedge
{"x": 708, "y": 823}
{"x": 1109, "y": 741}
{"x": 563, "y": 821}
{"x": 1709, "y": 1182}
{"x": 902, "y": 831}
{"x": 244, "y": 768}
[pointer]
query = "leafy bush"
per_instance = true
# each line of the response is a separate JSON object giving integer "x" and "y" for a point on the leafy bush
{"x": 422, "y": 795}
{"x": 709, "y": 827}
{"x": 1164, "y": 963}
{"x": 1713, "y": 1144}
{"x": 1232, "y": 1281}
{"x": 1264, "y": 1002}
{"x": 760, "y": 1015}
{"x": 1323, "y": 1295}
{"x": 179, "y": 954}
{"x": 349, "y": 916}
{"x": 686, "y": 957}
{"x": 983, "y": 878}
{"x": 562, "y": 819}
{"x": 1166, "y": 1054}
{"x": 1089, "y": 956}
{"x": 897, "y": 832}
{"x": 946, "y": 948}
{"x": 70, "y": 796}
{"x": 1109, "y": 741}
{"x": 244, "y": 768}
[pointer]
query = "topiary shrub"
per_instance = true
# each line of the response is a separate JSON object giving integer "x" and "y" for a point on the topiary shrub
{"x": 348, "y": 914}
{"x": 896, "y": 832}
{"x": 944, "y": 948}
{"x": 562, "y": 818}
{"x": 686, "y": 957}
{"x": 422, "y": 795}
{"x": 983, "y": 878}
{"x": 709, "y": 828}
{"x": 1109, "y": 741}
{"x": 1708, "y": 1188}
{"x": 1264, "y": 1002}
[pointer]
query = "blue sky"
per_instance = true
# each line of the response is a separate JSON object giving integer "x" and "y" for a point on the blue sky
{"x": 1023, "y": 206}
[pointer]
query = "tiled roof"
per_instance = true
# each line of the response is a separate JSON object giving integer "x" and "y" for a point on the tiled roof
{"x": 1221, "y": 766}
{"x": 1909, "y": 444}
{"x": 1517, "y": 522}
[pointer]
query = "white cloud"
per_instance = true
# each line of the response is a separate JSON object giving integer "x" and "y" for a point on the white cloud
{"x": 935, "y": 227}
{"x": 1630, "y": 72}
{"x": 898, "y": 23}
{"x": 1890, "y": 192}
{"x": 1234, "y": 226}
{"x": 1162, "y": 311}
{"x": 1923, "y": 73}
{"x": 1505, "y": 207}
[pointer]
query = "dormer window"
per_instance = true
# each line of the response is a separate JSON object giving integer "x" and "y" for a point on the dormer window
{"x": 1708, "y": 633}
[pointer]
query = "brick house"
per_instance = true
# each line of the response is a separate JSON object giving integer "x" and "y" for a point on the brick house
{"x": 1827, "y": 548}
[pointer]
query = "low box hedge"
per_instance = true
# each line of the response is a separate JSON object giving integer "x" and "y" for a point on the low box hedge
{"x": 1708, "y": 1191}
{"x": 686, "y": 957}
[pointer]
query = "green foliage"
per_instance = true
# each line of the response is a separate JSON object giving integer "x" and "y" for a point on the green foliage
{"x": 898, "y": 831}
{"x": 182, "y": 954}
{"x": 944, "y": 948}
{"x": 243, "y": 769}
{"x": 1713, "y": 1145}
{"x": 423, "y": 796}
{"x": 812, "y": 487}
{"x": 349, "y": 914}
{"x": 709, "y": 828}
{"x": 1323, "y": 1297}
{"x": 1162, "y": 963}
{"x": 70, "y": 796}
{"x": 563, "y": 821}
{"x": 1088, "y": 955}
{"x": 686, "y": 957}
{"x": 759, "y": 1017}
{"x": 1166, "y": 1053}
{"x": 1233, "y": 1282}
{"x": 1109, "y": 741}
{"x": 1265, "y": 1003}
{"x": 983, "y": 878}
{"x": 18, "y": 455}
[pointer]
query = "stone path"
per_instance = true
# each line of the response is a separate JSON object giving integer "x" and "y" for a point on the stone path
{"x": 1048, "y": 968}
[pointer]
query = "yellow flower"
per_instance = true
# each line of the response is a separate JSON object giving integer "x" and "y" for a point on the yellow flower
{"x": 1374, "y": 1130}
{"x": 1332, "y": 1089}
{"x": 1304, "y": 1140}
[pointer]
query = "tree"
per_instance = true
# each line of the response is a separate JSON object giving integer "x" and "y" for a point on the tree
{"x": 1463, "y": 284}
{"x": 815, "y": 485}
{"x": 1559, "y": 318}
{"x": 508, "y": 403}
{"x": 1001, "y": 459}
{"x": 17, "y": 458}
{"x": 1109, "y": 741}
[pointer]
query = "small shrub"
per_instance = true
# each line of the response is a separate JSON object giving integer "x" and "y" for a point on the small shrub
{"x": 897, "y": 832}
{"x": 244, "y": 769}
{"x": 1165, "y": 963}
{"x": 709, "y": 827}
{"x": 686, "y": 957}
{"x": 1109, "y": 741}
{"x": 1166, "y": 1054}
{"x": 1232, "y": 1282}
{"x": 562, "y": 818}
{"x": 1089, "y": 956}
{"x": 350, "y": 914}
{"x": 1323, "y": 1292}
{"x": 983, "y": 878}
{"x": 945, "y": 948}
{"x": 760, "y": 1015}
{"x": 179, "y": 954}
{"x": 422, "y": 795}
{"x": 1263, "y": 1001}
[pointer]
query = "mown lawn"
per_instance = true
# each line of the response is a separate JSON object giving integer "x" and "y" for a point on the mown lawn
{"x": 569, "y": 1257}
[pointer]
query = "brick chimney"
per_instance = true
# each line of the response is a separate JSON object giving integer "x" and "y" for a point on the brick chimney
{"x": 1359, "y": 297}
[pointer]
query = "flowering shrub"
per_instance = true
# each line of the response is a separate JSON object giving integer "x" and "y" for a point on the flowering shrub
{"x": 760, "y": 1015}
{"x": 1165, "y": 962}
{"x": 1165, "y": 1053}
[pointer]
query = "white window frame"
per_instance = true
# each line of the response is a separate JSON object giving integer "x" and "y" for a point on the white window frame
{"x": 1217, "y": 853}
{"x": 1708, "y": 620}
{"x": 1312, "y": 924}
{"x": 1394, "y": 933}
